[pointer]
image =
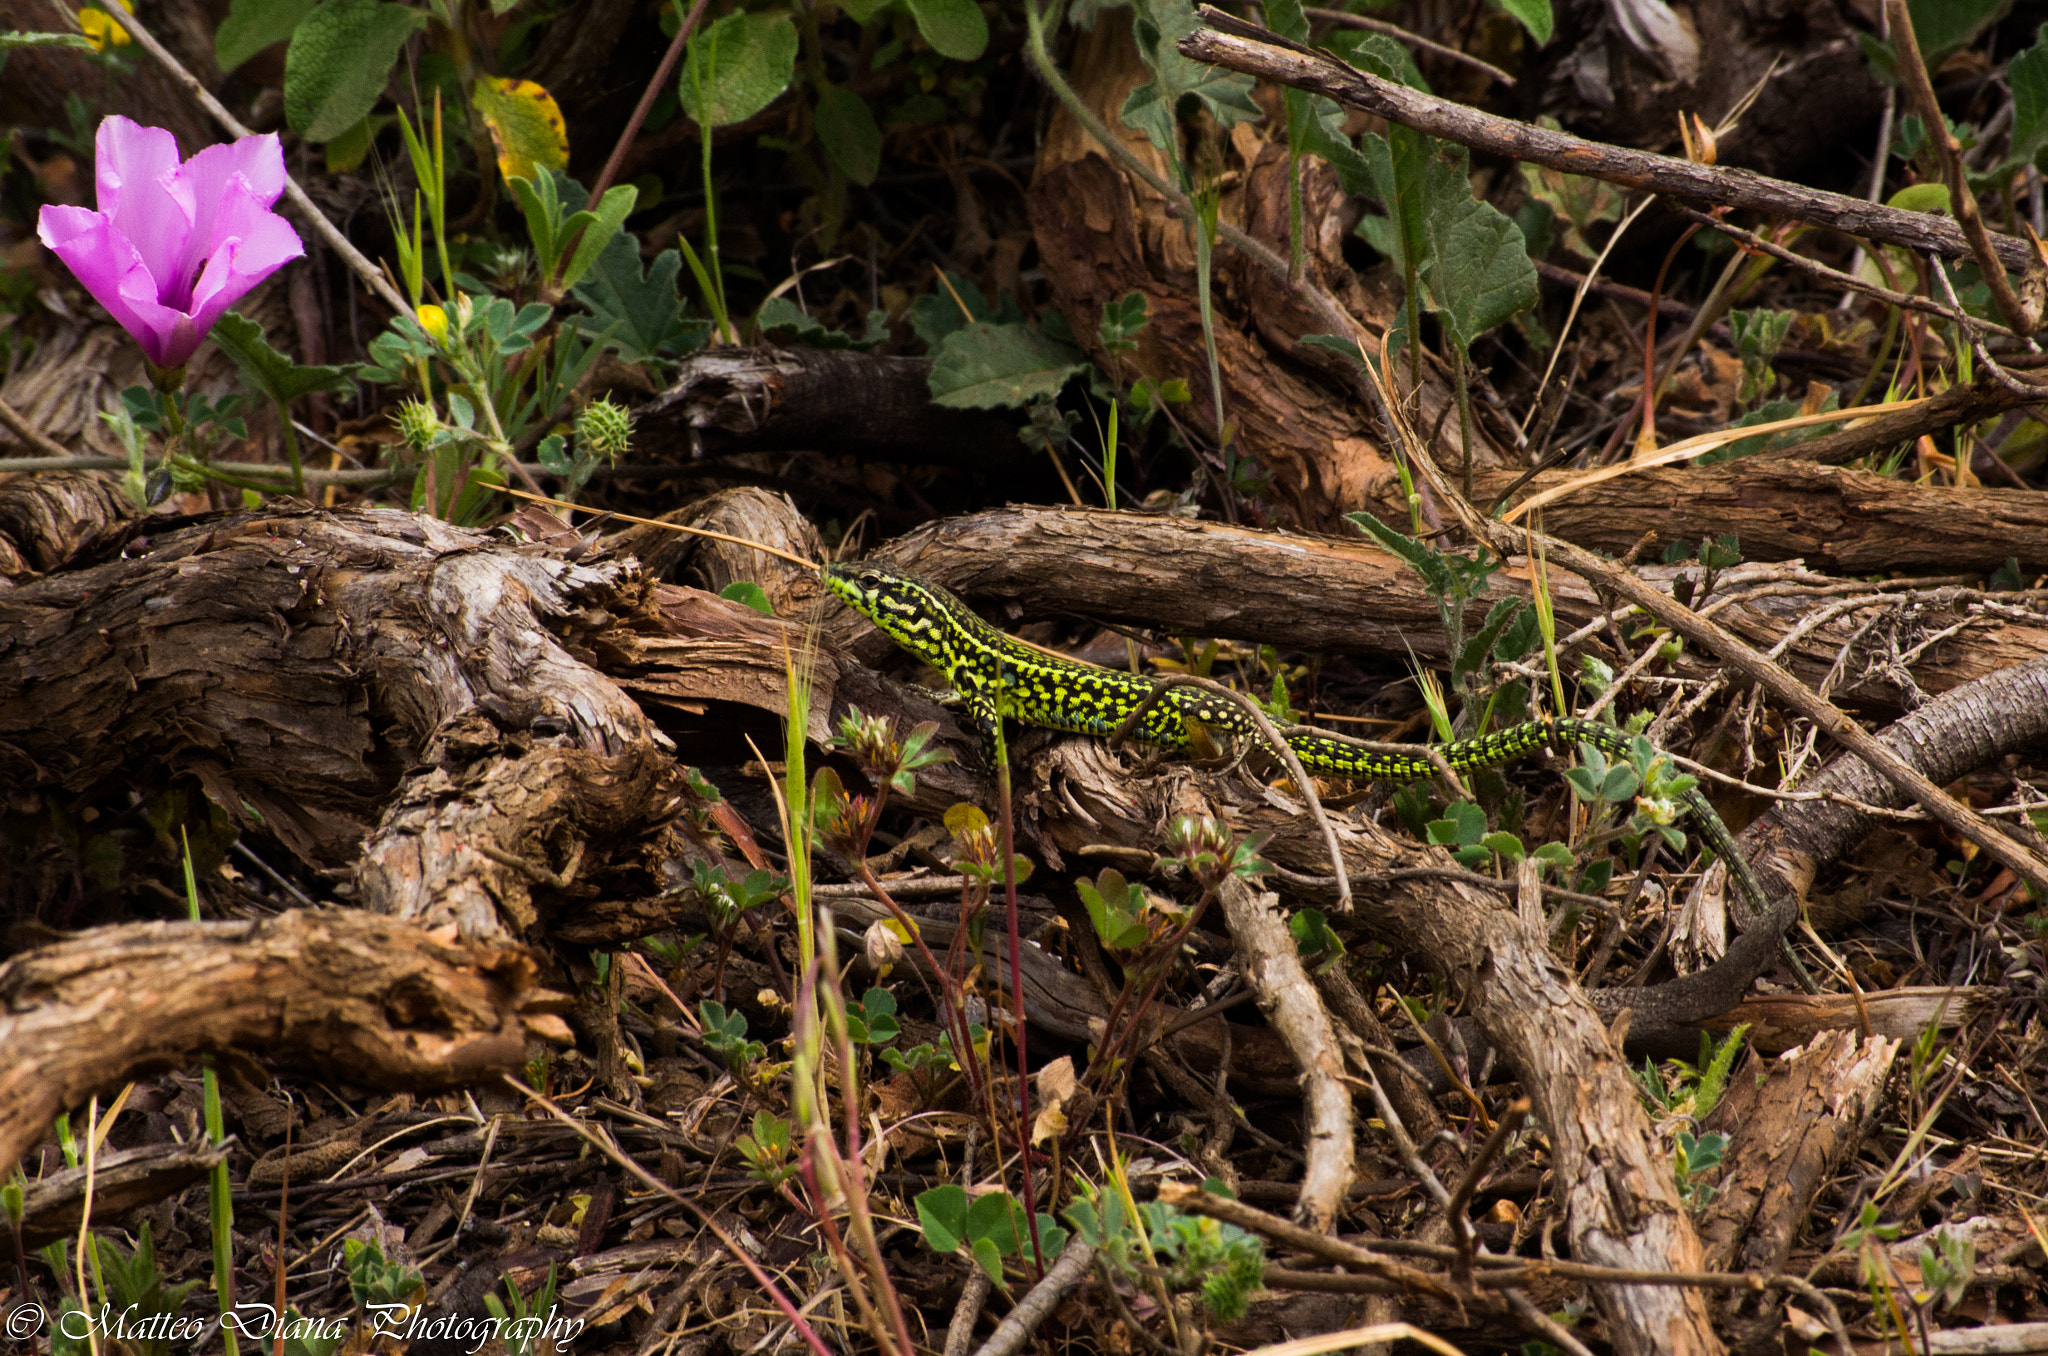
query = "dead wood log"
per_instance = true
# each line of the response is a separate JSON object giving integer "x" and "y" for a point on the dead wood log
{"x": 1843, "y": 521}
{"x": 298, "y": 662}
{"x": 1100, "y": 237}
{"x": 1788, "y": 1132}
{"x": 49, "y": 521}
{"x": 1349, "y": 597}
{"x": 1967, "y": 728}
{"x": 1785, "y": 1021}
{"x": 350, "y": 995}
{"x": 122, "y": 1180}
{"x": 861, "y": 405}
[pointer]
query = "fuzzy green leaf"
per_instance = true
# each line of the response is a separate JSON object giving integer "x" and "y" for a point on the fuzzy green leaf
{"x": 737, "y": 67}
{"x": 253, "y": 25}
{"x": 954, "y": 28}
{"x": 340, "y": 57}
{"x": 987, "y": 366}
{"x": 847, "y": 128}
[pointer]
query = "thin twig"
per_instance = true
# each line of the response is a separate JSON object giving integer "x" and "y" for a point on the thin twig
{"x": 1751, "y": 240}
{"x": 1037, "y": 1306}
{"x": 31, "y": 435}
{"x": 1346, "y": 19}
{"x": 1962, "y": 200}
{"x": 1238, "y": 46}
{"x": 1461, "y": 1195}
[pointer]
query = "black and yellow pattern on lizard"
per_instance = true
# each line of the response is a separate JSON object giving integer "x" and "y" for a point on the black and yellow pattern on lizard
{"x": 998, "y": 677}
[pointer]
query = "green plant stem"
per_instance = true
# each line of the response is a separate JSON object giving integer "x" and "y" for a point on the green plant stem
{"x": 437, "y": 206}
{"x": 1204, "y": 231}
{"x": 855, "y": 1172}
{"x": 221, "y": 1205}
{"x": 942, "y": 976}
{"x": 1458, "y": 362}
{"x": 291, "y": 449}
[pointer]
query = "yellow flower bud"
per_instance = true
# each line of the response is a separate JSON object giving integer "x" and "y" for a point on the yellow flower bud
{"x": 434, "y": 321}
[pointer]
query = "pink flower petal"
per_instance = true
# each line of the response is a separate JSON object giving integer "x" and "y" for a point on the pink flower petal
{"x": 254, "y": 243}
{"x": 136, "y": 168}
{"x": 109, "y": 267}
{"x": 258, "y": 162}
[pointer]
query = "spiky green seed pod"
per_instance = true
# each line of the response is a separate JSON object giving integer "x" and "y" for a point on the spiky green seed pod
{"x": 604, "y": 428}
{"x": 417, "y": 424}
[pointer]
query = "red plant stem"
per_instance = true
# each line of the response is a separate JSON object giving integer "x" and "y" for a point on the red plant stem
{"x": 956, "y": 1016}
{"x": 741, "y": 1255}
{"x": 1017, "y": 1009}
{"x": 1114, "y": 1042}
{"x": 646, "y": 104}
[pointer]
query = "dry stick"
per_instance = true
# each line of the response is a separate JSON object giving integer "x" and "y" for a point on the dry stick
{"x": 1232, "y": 43}
{"x": 1063, "y": 1275}
{"x": 1461, "y": 1195}
{"x": 372, "y": 276}
{"x": 29, "y": 434}
{"x": 604, "y": 1145}
{"x": 1493, "y": 1271}
{"x": 1962, "y": 322}
{"x": 1754, "y": 665}
{"x": 1279, "y": 746}
{"x": 1817, "y": 269}
{"x": 1962, "y": 200}
{"x": 654, "y": 522}
{"x": 1345, "y": 19}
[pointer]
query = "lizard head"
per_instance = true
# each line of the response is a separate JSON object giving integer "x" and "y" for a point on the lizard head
{"x": 905, "y": 608}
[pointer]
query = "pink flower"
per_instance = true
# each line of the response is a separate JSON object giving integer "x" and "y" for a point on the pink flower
{"x": 174, "y": 245}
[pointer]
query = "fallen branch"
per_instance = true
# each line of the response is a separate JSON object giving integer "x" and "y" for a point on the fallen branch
{"x": 349, "y": 995}
{"x": 1233, "y": 43}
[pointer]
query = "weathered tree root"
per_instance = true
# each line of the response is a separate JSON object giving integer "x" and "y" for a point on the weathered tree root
{"x": 351, "y": 995}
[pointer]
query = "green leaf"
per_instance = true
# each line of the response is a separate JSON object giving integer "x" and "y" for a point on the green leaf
{"x": 1377, "y": 54}
{"x": 1534, "y": 15}
{"x": 994, "y": 1217}
{"x": 1421, "y": 557}
{"x": 12, "y": 41}
{"x": 849, "y": 133}
{"x": 1120, "y": 322}
{"x": 253, "y": 25}
{"x": 954, "y": 28}
{"x": 2027, "y": 73}
{"x": 1504, "y": 843}
{"x": 606, "y": 225}
{"x": 987, "y": 366}
{"x": 1479, "y": 271}
{"x": 1945, "y": 27}
{"x": 1154, "y": 108}
{"x": 269, "y": 371}
{"x": 991, "y": 1260}
{"x": 339, "y": 60}
{"x": 737, "y": 67}
{"x": 783, "y": 320}
{"x": 942, "y": 1215}
{"x": 639, "y": 314}
{"x": 748, "y": 592}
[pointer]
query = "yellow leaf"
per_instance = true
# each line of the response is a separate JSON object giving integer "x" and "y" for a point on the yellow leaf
{"x": 525, "y": 125}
